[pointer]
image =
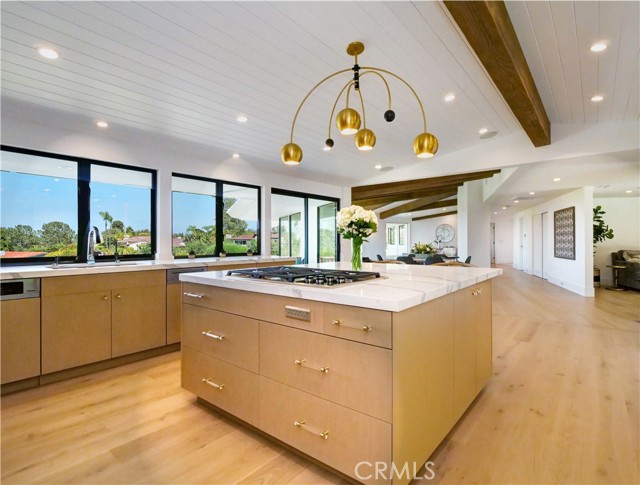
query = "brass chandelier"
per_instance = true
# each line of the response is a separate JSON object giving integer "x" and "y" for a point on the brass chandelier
{"x": 349, "y": 121}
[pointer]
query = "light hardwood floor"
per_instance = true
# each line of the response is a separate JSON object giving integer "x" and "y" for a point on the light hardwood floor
{"x": 561, "y": 408}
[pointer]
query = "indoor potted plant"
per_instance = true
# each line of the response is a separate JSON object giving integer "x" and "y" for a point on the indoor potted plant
{"x": 601, "y": 232}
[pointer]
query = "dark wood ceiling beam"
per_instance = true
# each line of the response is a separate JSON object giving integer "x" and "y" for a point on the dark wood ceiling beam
{"x": 405, "y": 189}
{"x": 442, "y": 192}
{"x": 433, "y": 216}
{"x": 489, "y": 31}
{"x": 424, "y": 203}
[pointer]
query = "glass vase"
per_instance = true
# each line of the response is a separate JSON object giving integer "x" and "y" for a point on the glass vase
{"x": 356, "y": 255}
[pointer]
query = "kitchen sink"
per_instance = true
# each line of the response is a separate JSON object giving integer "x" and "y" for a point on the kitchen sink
{"x": 106, "y": 264}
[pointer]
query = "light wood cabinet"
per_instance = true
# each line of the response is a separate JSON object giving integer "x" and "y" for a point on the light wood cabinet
{"x": 20, "y": 322}
{"x": 473, "y": 343}
{"x": 337, "y": 392}
{"x": 91, "y": 318}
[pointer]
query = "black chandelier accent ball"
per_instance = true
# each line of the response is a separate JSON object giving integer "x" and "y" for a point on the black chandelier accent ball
{"x": 389, "y": 115}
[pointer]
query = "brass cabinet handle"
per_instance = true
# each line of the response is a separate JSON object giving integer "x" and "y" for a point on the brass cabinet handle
{"x": 208, "y": 382}
{"x": 366, "y": 328}
{"x": 193, "y": 295}
{"x": 104, "y": 297}
{"x": 118, "y": 296}
{"x": 302, "y": 425}
{"x": 476, "y": 292}
{"x": 213, "y": 335}
{"x": 303, "y": 363}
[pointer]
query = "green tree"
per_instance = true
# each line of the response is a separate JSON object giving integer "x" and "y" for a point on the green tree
{"x": 117, "y": 226}
{"x": 20, "y": 238}
{"x": 107, "y": 218}
{"x": 55, "y": 235}
{"x": 232, "y": 225}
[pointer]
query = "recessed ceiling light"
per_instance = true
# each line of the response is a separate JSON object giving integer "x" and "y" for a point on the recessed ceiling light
{"x": 444, "y": 209}
{"x": 597, "y": 98}
{"x": 628, "y": 191}
{"x": 102, "y": 124}
{"x": 242, "y": 119}
{"x": 516, "y": 201}
{"x": 532, "y": 193}
{"x": 236, "y": 155}
{"x": 487, "y": 135}
{"x": 449, "y": 97}
{"x": 48, "y": 53}
{"x": 378, "y": 167}
{"x": 495, "y": 213}
{"x": 557, "y": 179}
{"x": 504, "y": 207}
{"x": 482, "y": 131}
{"x": 598, "y": 47}
{"x": 409, "y": 214}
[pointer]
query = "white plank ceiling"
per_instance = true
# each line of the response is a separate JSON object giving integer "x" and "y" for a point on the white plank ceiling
{"x": 188, "y": 69}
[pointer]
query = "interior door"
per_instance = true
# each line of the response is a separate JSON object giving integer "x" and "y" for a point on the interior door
{"x": 537, "y": 245}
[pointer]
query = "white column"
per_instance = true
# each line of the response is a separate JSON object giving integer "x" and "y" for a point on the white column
{"x": 474, "y": 220}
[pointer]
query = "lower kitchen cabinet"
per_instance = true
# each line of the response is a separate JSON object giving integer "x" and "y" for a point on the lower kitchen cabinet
{"x": 20, "y": 321}
{"x": 91, "y": 318}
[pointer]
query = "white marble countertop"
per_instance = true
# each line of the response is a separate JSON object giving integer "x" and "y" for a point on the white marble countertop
{"x": 402, "y": 286}
{"x": 43, "y": 271}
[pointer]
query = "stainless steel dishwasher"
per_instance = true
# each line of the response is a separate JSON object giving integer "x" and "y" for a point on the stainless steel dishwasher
{"x": 174, "y": 301}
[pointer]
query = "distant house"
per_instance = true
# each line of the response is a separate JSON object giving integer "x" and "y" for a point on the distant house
{"x": 21, "y": 254}
{"x": 243, "y": 239}
{"x": 135, "y": 241}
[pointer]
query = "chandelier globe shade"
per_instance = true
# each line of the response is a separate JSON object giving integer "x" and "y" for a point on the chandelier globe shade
{"x": 425, "y": 145}
{"x": 348, "y": 121}
{"x": 291, "y": 154}
{"x": 365, "y": 139}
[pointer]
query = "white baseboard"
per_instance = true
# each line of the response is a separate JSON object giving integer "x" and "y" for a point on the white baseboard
{"x": 580, "y": 290}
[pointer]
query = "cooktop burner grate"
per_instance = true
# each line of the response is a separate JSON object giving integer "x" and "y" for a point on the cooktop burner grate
{"x": 309, "y": 276}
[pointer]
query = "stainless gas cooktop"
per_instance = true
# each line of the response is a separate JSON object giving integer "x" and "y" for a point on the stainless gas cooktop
{"x": 305, "y": 276}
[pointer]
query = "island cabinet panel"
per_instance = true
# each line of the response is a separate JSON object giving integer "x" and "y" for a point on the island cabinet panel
{"x": 76, "y": 329}
{"x": 473, "y": 343}
{"x": 174, "y": 313}
{"x": 348, "y": 373}
{"x": 20, "y": 321}
{"x": 138, "y": 319}
{"x": 225, "y": 336}
{"x": 359, "y": 324}
{"x": 224, "y": 385}
{"x": 422, "y": 381}
{"x": 340, "y": 437}
{"x": 91, "y": 318}
{"x": 261, "y": 306}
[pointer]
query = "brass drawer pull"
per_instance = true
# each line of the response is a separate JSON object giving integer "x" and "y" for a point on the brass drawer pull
{"x": 476, "y": 292}
{"x": 118, "y": 296}
{"x": 366, "y": 328}
{"x": 208, "y": 382}
{"x": 193, "y": 295}
{"x": 213, "y": 335}
{"x": 303, "y": 363}
{"x": 302, "y": 425}
{"x": 104, "y": 297}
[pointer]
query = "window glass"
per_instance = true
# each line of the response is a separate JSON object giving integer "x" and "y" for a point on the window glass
{"x": 240, "y": 219}
{"x": 194, "y": 217}
{"x": 39, "y": 207}
{"x": 121, "y": 210}
{"x": 327, "y": 232}
{"x": 287, "y": 228}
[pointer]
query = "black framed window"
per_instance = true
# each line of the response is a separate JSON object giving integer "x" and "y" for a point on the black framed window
{"x": 50, "y": 202}
{"x": 199, "y": 203}
{"x": 304, "y": 226}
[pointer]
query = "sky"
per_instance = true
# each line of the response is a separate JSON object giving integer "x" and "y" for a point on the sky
{"x": 34, "y": 200}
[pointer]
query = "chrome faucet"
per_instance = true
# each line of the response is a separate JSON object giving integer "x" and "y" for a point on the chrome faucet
{"x": 92, "y": 240}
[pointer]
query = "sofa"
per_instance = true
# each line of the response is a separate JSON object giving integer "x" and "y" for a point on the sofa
{"x": 629, "y": 277}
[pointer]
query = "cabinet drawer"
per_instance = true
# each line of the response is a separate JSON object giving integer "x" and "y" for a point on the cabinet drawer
{"x": 350, "y": 438}
{"x": 359, "y": 324}
{"x": 254, "y": 305}
{"x": 71, "y": 285}
{"x": 225, "y": 336}
{"x": 352, "y": 374}
{"x": 231, "y": 388}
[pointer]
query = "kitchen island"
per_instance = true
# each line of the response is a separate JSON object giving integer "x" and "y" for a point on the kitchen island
{"x": 367, "y": 378}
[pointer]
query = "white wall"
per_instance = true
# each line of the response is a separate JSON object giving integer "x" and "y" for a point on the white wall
{"x": 64, "y": 136}
{"x": 574, "y": 275}
{"x": 425, "y": 231}
{"x": 474, "y": 224}
{"x": 504, "y": 240}
{"x": 623, "y": 216}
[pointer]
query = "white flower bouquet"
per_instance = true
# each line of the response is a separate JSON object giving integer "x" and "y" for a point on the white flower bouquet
{"x": 354, "y": 222}
{"x": 357, "y": 224}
